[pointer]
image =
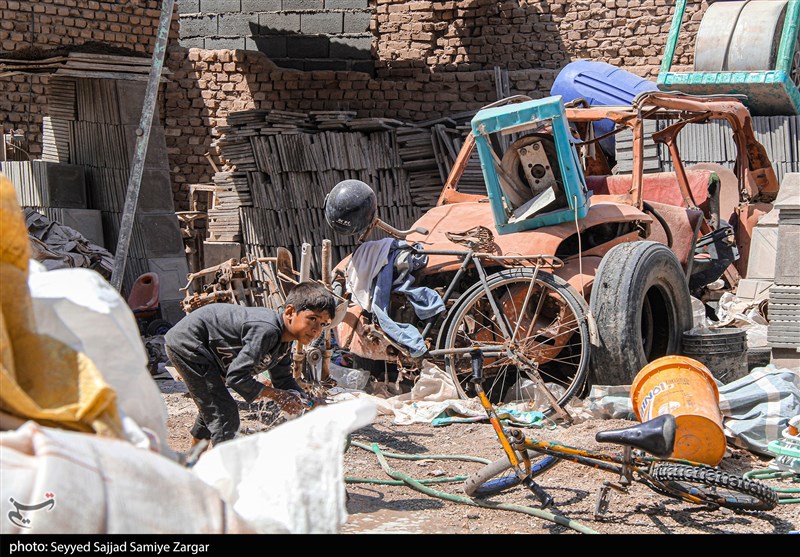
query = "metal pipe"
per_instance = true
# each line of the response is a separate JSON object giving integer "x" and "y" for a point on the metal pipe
{"x": 143, "y": 137}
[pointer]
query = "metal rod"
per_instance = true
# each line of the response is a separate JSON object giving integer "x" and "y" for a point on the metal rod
{"x": 143, "y": 137}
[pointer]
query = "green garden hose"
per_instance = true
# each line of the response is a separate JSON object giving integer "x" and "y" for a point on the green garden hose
{"x": 784, "y": 493}
{"x": 401, "y": 478}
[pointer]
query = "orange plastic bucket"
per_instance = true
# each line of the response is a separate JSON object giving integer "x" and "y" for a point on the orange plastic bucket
{"x": 686, "y": 389}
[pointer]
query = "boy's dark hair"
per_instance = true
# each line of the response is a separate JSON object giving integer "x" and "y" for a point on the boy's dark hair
{"x": 312, "y": 296}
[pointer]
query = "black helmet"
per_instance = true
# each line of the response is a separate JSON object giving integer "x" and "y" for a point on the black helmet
{"x": 351, "y": 207}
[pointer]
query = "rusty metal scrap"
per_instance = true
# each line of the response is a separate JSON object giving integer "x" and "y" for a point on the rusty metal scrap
{"x": 242, "y": 282}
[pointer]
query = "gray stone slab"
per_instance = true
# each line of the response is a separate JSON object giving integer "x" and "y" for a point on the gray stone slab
{"x": 155, "y": 193}
{"x": 786, "y": 358}
{"x": 753, "y": 289}
{"x": 131, "y": 94}
{"x": 321, "y": 23}
{"x": 66, "y": 185}
{"x": 215, "y": 253}
{"x": 172, "y": 275}
{"x": 171, "y": 311}
{"x": 789, "y": 192}
{"x": 161, "y": 235}
{"x": 278, "y": 23}
{"x": 763, "y": 249}
{"x": 89, "y": 222}
{"x": 156, "y": 154}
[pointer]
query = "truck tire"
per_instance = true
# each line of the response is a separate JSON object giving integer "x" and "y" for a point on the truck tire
{"x": 641, "y": 304}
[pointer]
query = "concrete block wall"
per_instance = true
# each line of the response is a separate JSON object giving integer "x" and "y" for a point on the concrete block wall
{"x": 432, "y": 58}
{"x": 301, "y": 34}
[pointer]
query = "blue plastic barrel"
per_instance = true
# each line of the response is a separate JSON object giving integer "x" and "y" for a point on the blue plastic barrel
{"x": 600, "y": 84}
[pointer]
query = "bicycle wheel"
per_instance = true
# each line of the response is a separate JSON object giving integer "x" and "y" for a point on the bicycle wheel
{"x": 548, "y": 335}
{"x": 713, "y": 487}
{"x": 498, "y": 476}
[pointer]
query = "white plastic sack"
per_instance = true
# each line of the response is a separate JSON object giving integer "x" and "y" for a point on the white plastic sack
{"x": 62, "y": 482}
{"x": 81, "y": 309}
{"x": 292, "y": 475}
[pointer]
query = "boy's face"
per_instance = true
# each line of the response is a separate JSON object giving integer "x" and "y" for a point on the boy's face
{"x": 306, "y": 325}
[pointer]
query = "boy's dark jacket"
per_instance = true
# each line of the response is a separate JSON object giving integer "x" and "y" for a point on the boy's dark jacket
{"x": 244, "y": 341}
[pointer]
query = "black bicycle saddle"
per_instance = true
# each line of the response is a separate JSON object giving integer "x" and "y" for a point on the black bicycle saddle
{"x": 656, "y": 436}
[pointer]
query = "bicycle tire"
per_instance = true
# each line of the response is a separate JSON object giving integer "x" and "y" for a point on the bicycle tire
{"x": 485, "y": 482}
{"x": 559, "y": 349}
{"x": 682, "y": 481}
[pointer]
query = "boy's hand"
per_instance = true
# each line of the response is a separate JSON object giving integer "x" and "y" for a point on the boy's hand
{"x": 290, "y": 402}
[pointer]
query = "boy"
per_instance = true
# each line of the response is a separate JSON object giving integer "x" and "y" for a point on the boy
{"x": 225, "y": 345}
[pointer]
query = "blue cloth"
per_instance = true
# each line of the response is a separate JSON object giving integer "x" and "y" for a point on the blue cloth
{"x": 426, "y": 302}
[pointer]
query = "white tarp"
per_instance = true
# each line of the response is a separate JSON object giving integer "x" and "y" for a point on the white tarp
{"x": 292, "y": 475}
{"x": 81, "y": 309}
{"x": 99, "y": 485}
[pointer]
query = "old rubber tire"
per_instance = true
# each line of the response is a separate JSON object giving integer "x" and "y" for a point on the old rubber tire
{"x": 641, "y": 304}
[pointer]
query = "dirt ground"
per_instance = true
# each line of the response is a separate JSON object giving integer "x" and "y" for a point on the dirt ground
{"x": 380, "y": 508}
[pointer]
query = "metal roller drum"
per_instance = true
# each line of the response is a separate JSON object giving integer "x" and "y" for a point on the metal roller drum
{"x": 740, "y": 36}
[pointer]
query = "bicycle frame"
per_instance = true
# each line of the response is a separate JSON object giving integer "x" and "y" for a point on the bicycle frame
{"x": 627, "y": 467}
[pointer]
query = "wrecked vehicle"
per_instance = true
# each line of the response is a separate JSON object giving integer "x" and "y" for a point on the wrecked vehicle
{"x": 633, "y": 247}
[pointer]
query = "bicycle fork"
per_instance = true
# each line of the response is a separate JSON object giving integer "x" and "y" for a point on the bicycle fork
{"x": 521, "y": 469}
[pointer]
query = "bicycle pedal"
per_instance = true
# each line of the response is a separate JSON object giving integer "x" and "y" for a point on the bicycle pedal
{"x": 601, "y": 507}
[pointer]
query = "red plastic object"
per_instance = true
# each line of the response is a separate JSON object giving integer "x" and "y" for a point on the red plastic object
{"x": 143, "y": 299}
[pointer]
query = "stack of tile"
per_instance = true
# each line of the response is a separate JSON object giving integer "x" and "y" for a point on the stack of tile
{"x": 783, "y": 332}
{"x": 280, "y": 165}
{"x": 92, "y": 124}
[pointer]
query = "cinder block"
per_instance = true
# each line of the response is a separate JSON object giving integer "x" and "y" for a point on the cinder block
{"x": 66, "y": 185}
{"x": 307, "y": 47}
{"x": 356, "y": 22}
{"x": 237, "y": 25}
{"x": 351, "y": 48}
{"x": 216, "y": 43}
{"x": 346, "y": 4}
{"x": 155, "y": 193}
{"x": 280, "y": 23}
{"x": 202, "y": 25}
{"x": 273, "y": 47}
{"x": 194, "y": 42}
{"x": 188, "y": 6}
{"x": 261, "y": 5}
{"x": 324, "y": 23}
{"x": 172, "y": 276}
{"x": 215, "y": 253}
{"x": 161, "y": 235}
{"x": 288, "y": 5}
{"x": 220, "y": 6}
